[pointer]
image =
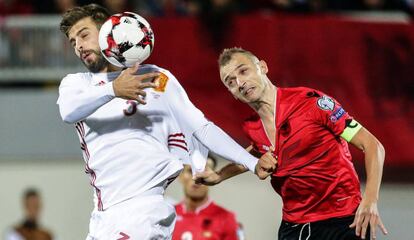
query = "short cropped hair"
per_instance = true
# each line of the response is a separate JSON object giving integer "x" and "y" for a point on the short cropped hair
{"x": 30, "y": 192}
{"x": 228, "y": 53}
{"x": 98, "y": 14}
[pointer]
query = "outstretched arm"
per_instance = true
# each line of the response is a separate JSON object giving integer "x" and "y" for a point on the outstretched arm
{"x": 77, "y": 100}
{"x": 211, "y": 177}
{"x": 367, "y": 212}
{"x": 218, "y": 142}
{"x": 192, "y": 121}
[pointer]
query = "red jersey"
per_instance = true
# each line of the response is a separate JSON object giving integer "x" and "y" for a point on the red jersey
{"x": 315, "y": 176}
{"x": 208, "y": 222}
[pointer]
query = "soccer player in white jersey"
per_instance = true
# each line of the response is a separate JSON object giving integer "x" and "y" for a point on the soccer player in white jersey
{"x": 131, "y": 133}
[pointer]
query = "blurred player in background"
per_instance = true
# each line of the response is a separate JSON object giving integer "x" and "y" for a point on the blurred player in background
{"x": 132, "y": 149}
{"x": 30, "y": 228}
{"x": 308, "y": 132}
{"x": 198, "y": 217}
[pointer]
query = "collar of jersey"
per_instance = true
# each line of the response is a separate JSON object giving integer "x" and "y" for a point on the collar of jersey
{"x": 106, "y": 77}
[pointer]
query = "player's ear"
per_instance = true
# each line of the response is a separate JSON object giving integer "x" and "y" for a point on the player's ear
{"x": 263, "y": 67}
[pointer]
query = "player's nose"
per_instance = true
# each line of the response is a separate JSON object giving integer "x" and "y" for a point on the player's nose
{"x": 241, "y": 84}
{"x": 78, "y": 45}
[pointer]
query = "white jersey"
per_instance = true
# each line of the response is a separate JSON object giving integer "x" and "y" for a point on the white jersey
{"x": 128, "y": 148}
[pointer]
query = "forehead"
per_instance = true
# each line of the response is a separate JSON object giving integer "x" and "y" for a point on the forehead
{"x": 86, "y": 22}
{"x": 236, "y": 60}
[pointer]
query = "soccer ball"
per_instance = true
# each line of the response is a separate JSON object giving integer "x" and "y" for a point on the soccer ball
{"x": 125, "y": 39}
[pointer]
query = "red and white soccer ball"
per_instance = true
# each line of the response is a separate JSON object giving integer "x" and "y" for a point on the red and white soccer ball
{"x": 125, "y": 39}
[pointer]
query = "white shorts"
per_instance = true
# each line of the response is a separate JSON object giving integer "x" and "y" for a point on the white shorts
{"x": 147, "y": 217}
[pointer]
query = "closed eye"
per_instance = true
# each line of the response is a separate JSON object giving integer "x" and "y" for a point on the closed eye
{"x": 243, "y": 71}
{"x": 84, "y": 35}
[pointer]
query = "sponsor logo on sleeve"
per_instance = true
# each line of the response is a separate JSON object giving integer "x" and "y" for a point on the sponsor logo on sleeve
{"x": 337, "y": 114}
{"x": 326, "y": 103}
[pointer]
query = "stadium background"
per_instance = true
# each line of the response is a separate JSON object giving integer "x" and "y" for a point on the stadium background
{"x": 364, "y": 58}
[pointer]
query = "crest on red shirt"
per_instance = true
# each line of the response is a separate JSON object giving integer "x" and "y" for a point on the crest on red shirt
{"x": 326, "y": 103}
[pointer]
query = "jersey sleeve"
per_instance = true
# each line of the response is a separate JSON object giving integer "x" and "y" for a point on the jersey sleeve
{"x": 188, "y": 116}
{"x": 218, "y": 142}
{"x": 198, "y": 156}
{"x": 77, "y": 100}
{"x": 193, "y": 123}
{"x": 329, "y": 113}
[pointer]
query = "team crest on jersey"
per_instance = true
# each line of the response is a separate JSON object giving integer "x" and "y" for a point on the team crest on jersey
{"x": 326, "y": 103}
{"x": 161, "y": 82}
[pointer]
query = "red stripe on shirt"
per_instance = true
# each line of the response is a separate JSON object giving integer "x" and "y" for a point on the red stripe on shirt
{"x": 178, "y": 145}
{"x": 81, "y": 133}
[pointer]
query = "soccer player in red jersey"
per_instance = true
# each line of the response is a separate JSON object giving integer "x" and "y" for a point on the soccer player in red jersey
{"x": 198, "y": 217}
{"x": 308, "y": 131}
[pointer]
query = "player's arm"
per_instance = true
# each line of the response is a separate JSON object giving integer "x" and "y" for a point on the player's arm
{"x": 234, "y": 169}
{"x": 367, "y": 212}
{"x": 329, "y": 113}
{"x": 211, "y": 136}
{"x": 130, "y": 84}
{"x": 210, "y": 177}
{"x": 77, "y": 100}
{"x": 218, "y": 142}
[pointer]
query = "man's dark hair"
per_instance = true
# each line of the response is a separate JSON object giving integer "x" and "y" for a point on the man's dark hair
{"x": 228, "y": 53}
{"x": 98, "y": 14}
{"x": 30, "y": 192}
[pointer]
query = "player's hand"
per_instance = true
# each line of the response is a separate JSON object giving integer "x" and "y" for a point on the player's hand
{"x": 367, "y": 213}
{"x": 130, "y": 86}
{"x": 266, "y": 165}
{"x": 208, "y": 177}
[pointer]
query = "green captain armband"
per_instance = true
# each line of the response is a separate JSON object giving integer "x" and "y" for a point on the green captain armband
{"x": 350, "y": 130}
